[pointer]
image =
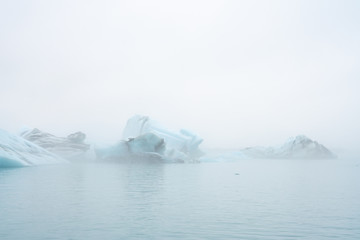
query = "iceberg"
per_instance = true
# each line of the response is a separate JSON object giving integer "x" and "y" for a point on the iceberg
{"x": 299, "y": 147}
{"x": 180, "y": 146}
{"x": 71, "y": 147}
{"x": 16, "y": 151}
{"x": 144, "y": 148}
{"x": 303, "y": 147}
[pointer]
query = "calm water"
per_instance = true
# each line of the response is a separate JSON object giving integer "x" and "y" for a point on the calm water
{"x": 257, "y": 199}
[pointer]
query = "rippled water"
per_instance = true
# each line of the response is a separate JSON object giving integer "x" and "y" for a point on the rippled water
{"x": 257, "y": 199}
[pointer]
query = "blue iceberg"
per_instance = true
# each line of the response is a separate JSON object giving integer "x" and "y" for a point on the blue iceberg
{"x": 144, "y": 148}
{"x": 180, "y": 146}
{"x": 146, "y": 140}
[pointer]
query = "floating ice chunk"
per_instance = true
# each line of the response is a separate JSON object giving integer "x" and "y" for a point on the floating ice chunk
{"x": 302, "y": 147}
{"x": 147, "y": 148}
{"x": 15, "y": 151}
{"x": 299, "y": 147}
{"x": 181, "y": 145}
{"x": 71, "y": 147}
{"x": 147, "y": 142}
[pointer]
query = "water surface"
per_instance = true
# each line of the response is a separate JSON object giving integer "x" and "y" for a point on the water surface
{"x": 248, "y": 199}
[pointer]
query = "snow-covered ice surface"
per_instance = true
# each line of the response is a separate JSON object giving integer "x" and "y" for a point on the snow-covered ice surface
{"x": 16, "y": 151}
{"x": 70, "y": 147}
{"x": 299, "y": 147}
{"x": 180, "y": 146}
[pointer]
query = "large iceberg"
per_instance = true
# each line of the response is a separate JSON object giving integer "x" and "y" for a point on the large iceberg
{"x": 16, "y": 151}
{"x": 70, "y": 147}
{"x": 144, "y": 148}
{"x": 299, "y": 147}
{"x": 180, "y": 146}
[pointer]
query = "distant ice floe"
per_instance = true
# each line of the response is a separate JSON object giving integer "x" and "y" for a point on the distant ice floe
{"x": 70, "y": 147}
{"x": 16, "y": 151}
{"x": 299, "y": 147}
{"x": 146, "y": 140}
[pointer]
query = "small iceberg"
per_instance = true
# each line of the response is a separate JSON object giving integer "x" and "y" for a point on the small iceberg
{"x": 16, "y": 151}
{"x": 299, "y": 147}
{"x": 70, "y": 147}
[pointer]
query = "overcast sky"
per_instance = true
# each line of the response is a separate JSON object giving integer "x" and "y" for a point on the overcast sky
{"x": 238, "y": 73}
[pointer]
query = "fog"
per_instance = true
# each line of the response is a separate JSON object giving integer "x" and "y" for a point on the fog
{"x": 238, "y": 73}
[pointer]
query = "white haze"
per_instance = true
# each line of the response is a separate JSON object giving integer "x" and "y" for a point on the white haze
{"x": 238, "y": 73}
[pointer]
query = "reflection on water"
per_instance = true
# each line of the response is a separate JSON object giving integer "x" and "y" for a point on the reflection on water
{"x": 257, "y": 199}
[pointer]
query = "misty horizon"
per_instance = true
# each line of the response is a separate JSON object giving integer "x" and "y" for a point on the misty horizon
{"x": 238, "y": 74}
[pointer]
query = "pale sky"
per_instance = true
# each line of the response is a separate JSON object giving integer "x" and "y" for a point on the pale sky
{"x": 238, "y": 73}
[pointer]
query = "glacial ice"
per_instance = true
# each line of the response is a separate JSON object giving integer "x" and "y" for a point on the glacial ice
{"x": 299, "y": 147}
{"x": 18, "y": 152}
{"x": 180, "y": 146}
{"x": 144, "y": 140}
{"x": 71, "y": 147}
{"x": 147, "y": 147}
